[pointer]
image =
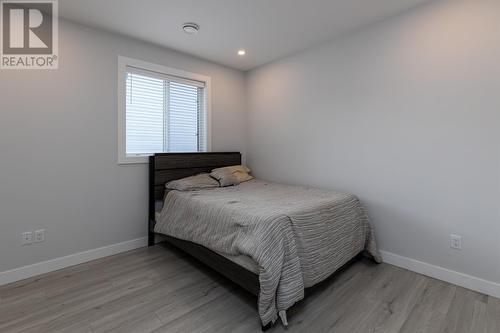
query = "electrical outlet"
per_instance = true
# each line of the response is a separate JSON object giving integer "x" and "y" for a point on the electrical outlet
{"x": 456, "y": 242}
{"x": 27, "y": 238}
{"x": 39, "y": 236}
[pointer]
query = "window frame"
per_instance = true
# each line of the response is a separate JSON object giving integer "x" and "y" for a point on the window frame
{"x": 123, "y": 64}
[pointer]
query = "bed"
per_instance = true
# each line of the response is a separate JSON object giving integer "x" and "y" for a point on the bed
{"x": 273, "y": 240}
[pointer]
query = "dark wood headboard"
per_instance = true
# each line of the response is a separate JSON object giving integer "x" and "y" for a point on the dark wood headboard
{"x": 166, "y": 167}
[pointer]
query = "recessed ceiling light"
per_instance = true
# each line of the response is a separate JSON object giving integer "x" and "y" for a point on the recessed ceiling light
{"x": 242, "y": 52}
{"x": 190, "y": 28}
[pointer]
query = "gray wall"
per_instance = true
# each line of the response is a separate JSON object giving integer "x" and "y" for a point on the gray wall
{"x": 405, "y": 114}
{"x": 58, "y": 148}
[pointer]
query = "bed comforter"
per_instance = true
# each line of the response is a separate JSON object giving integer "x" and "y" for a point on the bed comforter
{"x": 297, "y": 235}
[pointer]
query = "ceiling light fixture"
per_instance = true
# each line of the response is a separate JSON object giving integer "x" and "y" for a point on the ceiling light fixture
{"x": 242, "y": 52}
{"x": 190, "y": 28}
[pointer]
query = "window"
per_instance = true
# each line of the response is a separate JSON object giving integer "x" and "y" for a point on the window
{"x": 160, "y": 110}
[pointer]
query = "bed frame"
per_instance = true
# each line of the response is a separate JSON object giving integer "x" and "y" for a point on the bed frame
{"x": 166, "y": 167}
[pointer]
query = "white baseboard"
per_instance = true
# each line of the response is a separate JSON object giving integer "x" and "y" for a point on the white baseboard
{"x": 437, "y": 272}
{"x": 71, "y": 260}
{"x": 463, "y": 280}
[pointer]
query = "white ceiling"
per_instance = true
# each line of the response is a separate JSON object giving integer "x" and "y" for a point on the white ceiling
{"x": 267, "y": 29}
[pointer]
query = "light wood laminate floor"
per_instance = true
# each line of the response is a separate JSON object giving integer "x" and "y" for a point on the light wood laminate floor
{"x": 160, "y": 289}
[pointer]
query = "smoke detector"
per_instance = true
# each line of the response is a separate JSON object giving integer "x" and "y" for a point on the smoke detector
{"x": 190, "y": 28}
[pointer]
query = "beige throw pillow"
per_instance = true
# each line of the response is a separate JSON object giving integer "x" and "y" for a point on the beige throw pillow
{"x": 225, "y": 178}
{"x": 242, "y": 176}
{"x": 231, "y": 175}
{"x": 198, "y": 182}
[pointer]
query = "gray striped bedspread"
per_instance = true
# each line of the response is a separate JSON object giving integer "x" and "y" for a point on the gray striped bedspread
{"x": 298, "y": 235}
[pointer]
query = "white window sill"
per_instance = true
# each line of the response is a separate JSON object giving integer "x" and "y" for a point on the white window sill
{"x": 135, "y": 159}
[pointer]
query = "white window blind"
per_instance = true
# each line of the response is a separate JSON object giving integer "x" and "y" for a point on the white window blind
{"x": 163, "y": 113}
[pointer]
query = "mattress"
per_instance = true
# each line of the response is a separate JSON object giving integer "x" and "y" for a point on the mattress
{"x": 297, "y": 235}
{"x": 242, "y": 260}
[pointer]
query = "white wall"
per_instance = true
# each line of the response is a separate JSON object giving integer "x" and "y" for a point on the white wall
{"x": 405, "y": 114}
{"x": 58, "y": 148}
